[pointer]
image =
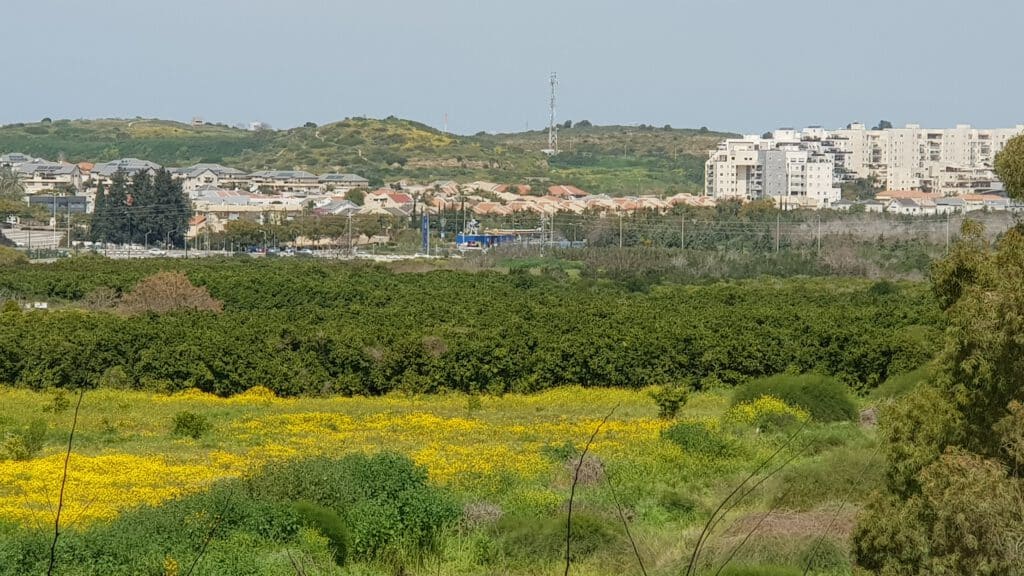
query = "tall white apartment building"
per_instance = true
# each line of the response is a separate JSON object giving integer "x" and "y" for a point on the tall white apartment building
{"x": 794, "y": 169}
{"x": 947, "y": 160}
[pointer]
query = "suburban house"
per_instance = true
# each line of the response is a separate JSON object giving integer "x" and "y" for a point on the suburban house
{"x": 222, "y": 206}
{"x": 210, "y": 175}
{"x": 14, "y": 158}
{"x": 336, "y": 207}
{"x": 386, "y": 198}
{"x": 337, "y": 182}
{"x": 103, "y": 173}
{"x": 38, "y": 176}
{"x": 564, "y": 191}
{"x": 285, "y": 181}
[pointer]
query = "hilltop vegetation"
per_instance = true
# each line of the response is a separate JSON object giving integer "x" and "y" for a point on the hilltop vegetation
{"x": 612, "y": 159}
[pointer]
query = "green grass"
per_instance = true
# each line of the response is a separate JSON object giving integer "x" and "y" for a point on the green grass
{"x": 666, "y": 491}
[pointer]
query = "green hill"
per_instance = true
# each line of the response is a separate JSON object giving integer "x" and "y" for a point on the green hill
{"x": 611, "y": 159}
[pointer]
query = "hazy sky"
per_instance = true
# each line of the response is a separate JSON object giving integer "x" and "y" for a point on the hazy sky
{"x": 744, "y": 66}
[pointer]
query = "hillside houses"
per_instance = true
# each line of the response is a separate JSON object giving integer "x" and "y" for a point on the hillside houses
{"x": 104, "y": 173}
{"x": 39, "y": 175}
{"x": 210, "y": 176}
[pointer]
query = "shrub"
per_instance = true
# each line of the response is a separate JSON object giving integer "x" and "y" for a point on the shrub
{"x": 531, "y": 539}
{"x": 167, "y": 292}
{"x": 825, "y": 399}
{"x": 24, "y": 444}
{"x": 698, "y": 438}
{"x": 11, "y": 257}
{"x": 58, "y": 403}
{"x": 670, "y": 399}
{"x": 329, "y": 524}
{"x": 766, "y": 413}
{"x": 679, "y": 503}
{"x": 384, "y": 499}
{"x": 115, "y": 377}
{"x": 826, "y": 557}
{"x": 190, "y": 424}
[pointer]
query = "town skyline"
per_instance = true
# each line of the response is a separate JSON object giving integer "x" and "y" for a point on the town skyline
{"x": 792, "y": 64}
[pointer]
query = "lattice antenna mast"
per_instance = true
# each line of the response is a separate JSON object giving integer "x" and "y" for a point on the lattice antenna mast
{"x": 552, "y": 129}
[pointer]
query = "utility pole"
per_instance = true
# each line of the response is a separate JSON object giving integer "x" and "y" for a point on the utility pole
{"x": 350, "y": 251}
{"x": 552, "y": 129}
{"x": 778, "y": 230}
{"x": 620, "y": 230}
{"x": 682, "y": 233}
{"x": 819, "y": 234}
{"x": 947, "y": 233}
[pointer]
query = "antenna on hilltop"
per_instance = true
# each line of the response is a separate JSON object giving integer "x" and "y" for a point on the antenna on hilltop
{"x": 552, "y": 129}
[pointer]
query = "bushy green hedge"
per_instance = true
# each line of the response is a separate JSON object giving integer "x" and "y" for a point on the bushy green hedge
{"x": 310, "y": 327}
{"x": 697, "y": 438}
{"x": 320, "y": 511}
{"x": 826, "y": 399}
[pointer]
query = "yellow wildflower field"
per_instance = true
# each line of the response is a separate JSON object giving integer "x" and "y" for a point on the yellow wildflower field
{"x": 125, "y": 454}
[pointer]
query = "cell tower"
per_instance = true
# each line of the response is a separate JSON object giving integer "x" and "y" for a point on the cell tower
{"x": 552, "y": 129}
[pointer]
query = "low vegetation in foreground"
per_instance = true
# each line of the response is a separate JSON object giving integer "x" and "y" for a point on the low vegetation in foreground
{"x": 449, "y": 484}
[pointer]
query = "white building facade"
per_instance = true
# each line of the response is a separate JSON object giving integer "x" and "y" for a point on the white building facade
{"x": 793, "y": 169}
{"x": 802, "y": 168}
{"x": 947, "y": 160}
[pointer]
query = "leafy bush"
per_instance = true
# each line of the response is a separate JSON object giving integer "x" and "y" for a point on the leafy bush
{"x": 167, "y": 292}
{"x": 824, "y": 398}
{"x": 190, "y": 424}
{"x": 531, "y": 539}
{"x": 24, "y": 444}
{"x": 670, "y": 399}
{"x": 698, "y": 438}
{"x": 679, "y": 503}
{"x": 901, "y": 384}
{"x": 384, "y": 500}
{"x": 766, "y": 414}
{"x": 328, "y": 523}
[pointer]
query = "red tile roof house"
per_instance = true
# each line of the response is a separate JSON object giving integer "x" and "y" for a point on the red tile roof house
{"x": 565, "y": 191}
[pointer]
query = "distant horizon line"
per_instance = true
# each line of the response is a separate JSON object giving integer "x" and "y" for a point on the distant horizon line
{"x": 247, "y": 125}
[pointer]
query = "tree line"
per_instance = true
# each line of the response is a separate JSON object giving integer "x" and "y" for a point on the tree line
{"x": 141, "y": 208}
{"x": 306, "y": 327}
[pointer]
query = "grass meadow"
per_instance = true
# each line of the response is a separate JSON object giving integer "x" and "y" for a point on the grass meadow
{"x": 507, "y": 461}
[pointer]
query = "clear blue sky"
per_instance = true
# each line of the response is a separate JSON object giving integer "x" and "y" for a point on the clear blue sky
{"x": 744, "y": 66}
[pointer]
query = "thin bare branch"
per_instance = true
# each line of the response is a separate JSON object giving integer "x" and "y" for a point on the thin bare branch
{"x": 572, "y": 490}
{"x": 209, "y": 535}
{"x": 691, "y": 568}
{"x": 63, "y": 485}
{"x": 625, "y": 524}
{"x": 849, "y": 494}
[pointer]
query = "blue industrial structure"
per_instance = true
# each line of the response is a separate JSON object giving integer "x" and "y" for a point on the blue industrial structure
{"x": 482, "y": 240}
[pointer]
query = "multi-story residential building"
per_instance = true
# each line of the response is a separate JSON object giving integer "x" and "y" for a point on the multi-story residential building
{"x": 342, "y": 182}
{"x": 791, "y": 168}
{"x": 12, "y": 159}
{"x": 912, "y": 157}
{"x": 40, "y": 175}
{"x": 294, "y": 182}
{"x": 103, "y": 173}
{"x": 201, "y": 176}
